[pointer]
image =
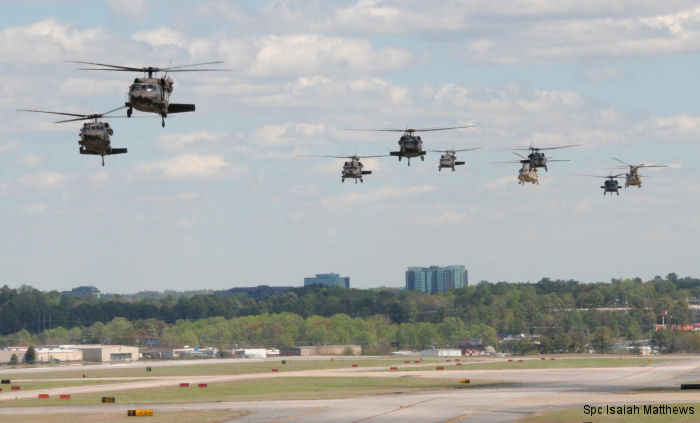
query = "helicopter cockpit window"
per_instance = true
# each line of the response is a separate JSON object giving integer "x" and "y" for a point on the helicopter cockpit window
{"x": 151, "y": 88}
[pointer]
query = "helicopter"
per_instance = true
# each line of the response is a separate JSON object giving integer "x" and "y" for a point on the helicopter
{"x": 527, "y": 174}
{"x": 633, "y": 177}
{"x": 448, "y": 159}
{"x": 353, "y": 169}
{"x": 411, "y": 145}
{"x": 610, "y": 184}
{"x": 151, "y": 94}
{"x": 538, "y": 159}
{"x": 94, "y": 136}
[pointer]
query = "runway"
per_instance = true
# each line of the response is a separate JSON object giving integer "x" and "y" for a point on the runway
{"x": 533, "y": 391}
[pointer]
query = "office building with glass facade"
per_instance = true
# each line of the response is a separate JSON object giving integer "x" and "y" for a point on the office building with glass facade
{"x": 435, "y": 279}
{"x": 328, "y": 279}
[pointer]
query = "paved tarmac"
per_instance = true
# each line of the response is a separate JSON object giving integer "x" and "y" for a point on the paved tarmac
{"x": 533, "y": 391}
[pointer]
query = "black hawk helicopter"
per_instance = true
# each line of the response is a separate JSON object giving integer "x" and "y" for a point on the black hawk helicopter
{"x": 94, "y": 136}
{"x": 411, "y": 145}
{"x": 449, "y": 160}
{"x": 538, "y": 159}
{"x": 633, "y": 177}
{"x": 610, "y": 184}
{"x": 152, "y": 95}
{"x": 352, "y": 169}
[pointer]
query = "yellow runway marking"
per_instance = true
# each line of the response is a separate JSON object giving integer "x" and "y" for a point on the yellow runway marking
{"x": 315, "y": 410}
{"x": 463, "y": 416}
{"x": 391, "y": 411}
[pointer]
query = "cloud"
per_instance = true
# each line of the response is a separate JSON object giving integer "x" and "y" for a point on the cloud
{"x": 133, "y": 9}
{"x": 88, "y": 87}
{"x": 34, "y": 209}
{"x": 374, "y": 196}
{"x": 30, "y": 160}
{"x": 9, "y": 147}
{"x": 50, "y": 42}
{"x": 187, "y": 166}
{"x": 174, "y": 143}
{"x": 44, "y": 180}
{"x": 446, "y": 218}
{"x": 607, "y": 73}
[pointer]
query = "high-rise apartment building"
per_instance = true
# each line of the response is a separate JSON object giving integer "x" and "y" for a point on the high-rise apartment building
{"x": 435, "y": 279}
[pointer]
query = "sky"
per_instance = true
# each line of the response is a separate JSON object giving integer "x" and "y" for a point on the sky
{"x": 231, "y": 196}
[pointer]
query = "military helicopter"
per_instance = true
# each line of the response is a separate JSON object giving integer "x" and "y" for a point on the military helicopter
{"x": 94, "y": 136}
{"x": 610, "y": 184}
{"x": 448, "y": 159}
{"x": 411, "y": 145}
{"x": 151, "y": 94}
{"x": 538, "y": 159}
{"x": 353, "y": 169}
{"x": 633, "y": 177}
{"x": 527, "y": 173}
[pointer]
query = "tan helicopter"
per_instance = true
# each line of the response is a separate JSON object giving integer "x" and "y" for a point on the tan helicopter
{"x": 352, "y": 169}
{"x": 633, "y": 178}
{"x": 528, "y": 173}
{"x": 152, "y": 95}
{"x": 449, "y": 160}
{"x": 94, "y": 136}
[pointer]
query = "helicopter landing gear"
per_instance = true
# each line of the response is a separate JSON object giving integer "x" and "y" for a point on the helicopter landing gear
{"x": 361, "y": 181}
{"x": 162, "y": 121}
{"x": 129, "y": 111}
{"x": 342, "y": 180}
{"x": 103, "y": 161}
{"x": 453, "y": 169}
{"x": 422, "y": 158}
{"x": 439, "y": 168}
{"x": 356, "y": 181}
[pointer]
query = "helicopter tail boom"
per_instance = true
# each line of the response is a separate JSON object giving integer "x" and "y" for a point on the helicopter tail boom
{"x": 180, "y": 108}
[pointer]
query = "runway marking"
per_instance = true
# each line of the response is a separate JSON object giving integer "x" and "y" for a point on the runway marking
{"x": 463, "y": 416}
{"x": 315, "y": 410}
{"x": 403, "y": 407}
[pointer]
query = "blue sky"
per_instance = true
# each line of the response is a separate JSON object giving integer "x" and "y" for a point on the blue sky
{"x": 225, "y": 196}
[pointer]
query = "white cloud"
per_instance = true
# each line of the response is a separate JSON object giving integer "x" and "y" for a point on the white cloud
{"x": 607, "y": 73}
{"x": 34, "y": 209}
{"x": 88, "y": 87}
{"x": 183, "y": 141}
{"x": 445, "y": 218}
{"x": 375, "y": 196}
{"x": 502, "y": 181}
{"x": 44, "y": 180}
{"x": 30, "y": 160}
{"x": 187, "y": 166}
{"x": 50, "y": 42}
{"x": 133, "y": 9}
{"x": 9, "y": 147}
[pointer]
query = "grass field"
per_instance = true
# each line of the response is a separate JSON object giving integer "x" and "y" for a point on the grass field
{"x": 577, "y": 416}
{"x": 258, "y": 390}
{"x": 38, "y": 385}
{"x": 158, "y": 417}
{"x": 567, "y": 363}
{"x": 232, "y": 368}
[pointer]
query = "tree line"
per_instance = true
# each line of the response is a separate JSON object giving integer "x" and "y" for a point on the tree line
{"x": 566, "y": 314}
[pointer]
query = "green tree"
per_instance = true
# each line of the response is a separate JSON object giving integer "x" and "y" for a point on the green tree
{"x": 13, "y": 360}
{"x": 30, "y": 355}
{"x": 602, "y": 339}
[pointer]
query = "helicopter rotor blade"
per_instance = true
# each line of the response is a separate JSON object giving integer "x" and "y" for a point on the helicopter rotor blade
{"x": 614, "y": 158}
{"x": 170, "y": 68}
{"x": 440, "y": 129}
{"x": 74, "y": 120}
{"x": 645, "y": 165}
{"x": 52, "y": 113}
{"x": 115, "y": 67}
{"x": 520, "y": 155}
{"x": 113, "y": 110}
{"x": 561, "y": 146}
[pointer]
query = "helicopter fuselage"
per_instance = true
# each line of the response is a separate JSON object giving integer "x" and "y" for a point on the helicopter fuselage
{"x": 353, "y": 169}
{"x": 94, "y": 140}
{"x": 537, "y": 159}
{"x": 528, "y": 174}
{"x": 633, "y": 179}
{"x": 611, "y": 185}
{"x": 150, "y": 95}
{"x": 449, "y": 160}
{"x": 409, "y": 146}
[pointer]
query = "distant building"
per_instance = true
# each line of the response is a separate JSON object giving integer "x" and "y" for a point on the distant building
{"x": 328, "y": 279}
{"x": 316, "y": 350}
{"x": 84, "y": 290}
{"x": 260, "y": 291}
{"x": 434, "y": 279}
{"x": 107, "y": 353}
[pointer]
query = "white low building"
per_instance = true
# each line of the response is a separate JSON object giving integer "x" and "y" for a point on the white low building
{"x": 441, "y": 352}
{"x": 108, "y": 353}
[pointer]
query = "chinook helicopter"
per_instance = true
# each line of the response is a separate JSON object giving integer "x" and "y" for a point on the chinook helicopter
{"x": 94, "y": 136}
{"x": 527, "y": 173}
{"x": 448, "y": 158}
{"x": 610, "y": 184}
{"x": 411, "y": 145}
{"x": 353, "y": 169}
{"x": 538, "y": 159}
{"x": 633, "y": 177}
{"x": 152, "y": 95}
